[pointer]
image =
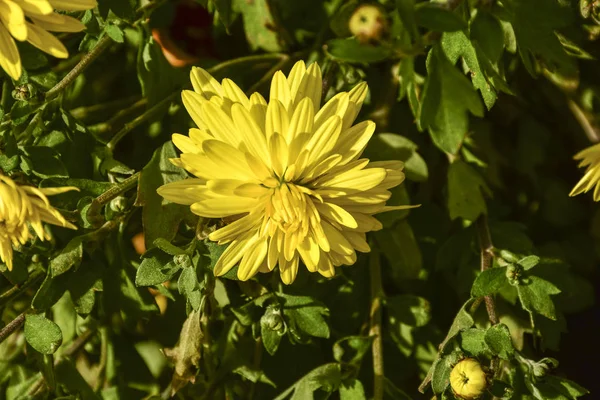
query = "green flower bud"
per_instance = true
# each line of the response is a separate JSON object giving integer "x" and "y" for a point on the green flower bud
{"x": 513, "y": 274}
{"x": 272, "y": 319}
{"x": 118, "y": 204}
{"x": 545, "y": 365}
{"x": 24, "y": 92}
{"x": 183, "y": 260}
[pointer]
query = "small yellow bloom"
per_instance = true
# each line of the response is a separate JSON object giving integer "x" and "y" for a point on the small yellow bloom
{"x": 591, "y": 158}
{"x": 30, "y": 20}
{"x": 24, "y": 206}
{"x": 288, "y": 173}
{"x": 467, "y": 379}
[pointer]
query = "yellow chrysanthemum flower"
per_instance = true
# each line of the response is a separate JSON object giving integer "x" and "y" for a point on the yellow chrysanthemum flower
{"x": 286, "y": 174}
{"x": 467, "y": 379}
{"x": 30, "y": 20}
{"x": 589, "y": 157}
{"x": 24, "y": 206}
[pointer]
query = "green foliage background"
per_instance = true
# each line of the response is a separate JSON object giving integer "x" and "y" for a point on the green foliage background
{"x": 486, "y": 102}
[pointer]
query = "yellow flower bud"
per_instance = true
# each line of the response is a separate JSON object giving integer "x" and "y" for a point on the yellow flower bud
{"x": 467, "y": 379}
{"x": 368, "y": 23}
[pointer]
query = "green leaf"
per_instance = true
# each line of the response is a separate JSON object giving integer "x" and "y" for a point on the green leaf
{"x": 42, "y": 334}
{"x": 214, "y": 253}
{"x": 121, "y": 8}
{"x": 160, "y": 217}
{"x": 448, "y": 96}
{"x": 566, "y": 387}
{"x": 352, "y": 51}
{"x": 534, "y": 23}
{"x": 441, "y": 375}
{"x": 258, "y": 25}
{"x": 437, "y": 18}
{"x": 391, "y": 146}
{"x": 305, "y": 315}
{"x": 400, "y": 248}
{"x": 487, "y": 31}
{"x": 155, "y": 268}
{"x": 500, "y": 342}
{"x": 167, "y": 247}
{"x": 352, "y": 349}
{"x": 463, "y": 320}
{"x": 157, "y": 77}
{"x": 465, "y": 192}
{"x": 44, "y": 162}
{"x": 535, "y": 296}
{"x": 352, "y": 390}
{"x": 225, "y": 10}
{"x": 529, "y": 262}
{"x": 473, "y": 342}
{"x": 457, "y": 44}
{"x": 68, "y": 258}
{"x": 409, "y": 309}
{"x": 190, "y": 287}
{"x": 270, "y": 338}
{"x": 489, "y": 282}
{"x": 114, "y": 32}
{"x": 406, "y": 11}
{"x": 327, "y": 377}
{"x": 68, "y": 376}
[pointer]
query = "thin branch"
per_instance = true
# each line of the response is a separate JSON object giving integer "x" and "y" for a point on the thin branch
{"x": 17, "y": 290}
{"x": 258, "y": 350}
{"x": 74, "y": 348}
{"x": 86, "y": 60}
{"x": 11, "y": 327}
{"x": 265, "y": 78}
{"x": 111, "y": 106}
{"x": 592, "y": 132}
{"x": 487, "y": 257}
{"x": 93, "y": 212}
{"x": 128, "y": 127}
{"x": 375, "y": 324}
{"x": 108, "y": 126}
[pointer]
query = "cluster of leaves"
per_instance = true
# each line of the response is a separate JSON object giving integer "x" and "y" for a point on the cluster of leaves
{"x": 485, "y": 102}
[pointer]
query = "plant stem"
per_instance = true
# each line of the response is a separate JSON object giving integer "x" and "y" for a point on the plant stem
{"x": 11, "y": 327}
{"x": 128, "y": 127}
{"x": 247, "y": 59}
{"x": 258, "y": 349}
{"x": 77, "y": 345}
{"x": 86, "y": 60}
{"x": 17, "y": 290}
{"x": 129, "y": 183}
{"x": 107, "y": 126}
{"x": 268, "y": 75}
{"x": 375, "y": 323}
{"x": 592, "y": 132}
{"x": 487, "y": 257}
{"x": 86, "y": 111}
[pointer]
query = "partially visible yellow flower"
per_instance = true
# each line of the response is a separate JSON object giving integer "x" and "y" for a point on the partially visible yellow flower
{"x": 589, "y": 157}
{"x": 467, "y": 379}
{"x": 286, "y": 174}
{"x": 30, "y": 20}
{"x": 24, "y": 206}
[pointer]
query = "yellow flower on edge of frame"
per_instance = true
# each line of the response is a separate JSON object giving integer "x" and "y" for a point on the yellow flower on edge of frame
{"x": 287, "y": 173}
{"x": 590, "y": 158}
{"x": 22, "y": 206}
{"x": 467, "y": 379}
{"x": 30, "y": 20}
